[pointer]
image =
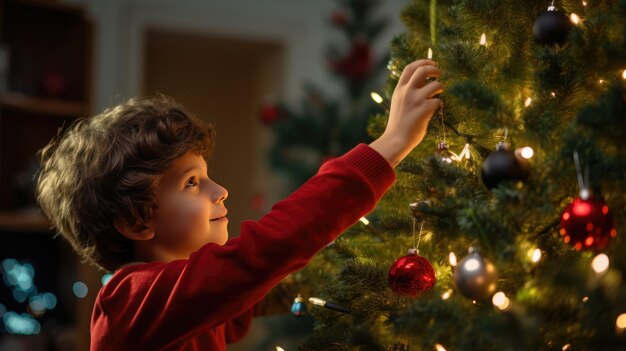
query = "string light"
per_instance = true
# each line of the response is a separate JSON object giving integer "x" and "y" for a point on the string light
{"x": 624, "y": 74}
{"x": 440, "y": 347}
{"x": 574, "y": 18}
{"x": 364, "y": 220}
{"x": 527, "y": 102}
{"x": 584, "y": 3}
{"x": 586, "y": 298}
{"x": 483, "y": 40}
{"x": 446, "y": 295}
{"x": 527, "y": 152}
{"x": 376, "y": 97}
{"x": 500, "y": 300}
{"x": 600, "y": 264}
{"x": 535, "y": 255}
{"x": 278, "y": 348}
{"x": 553, "y": 94}
{"x": 566, "y": 347}
{"x": 430, "y": 53}
{"x": 379, "y": 100}
{"x": 452, "y": 259}
{"x": 620, "y": 322}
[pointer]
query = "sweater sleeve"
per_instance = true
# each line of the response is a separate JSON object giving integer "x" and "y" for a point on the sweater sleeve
{"x": 218, "y": 283}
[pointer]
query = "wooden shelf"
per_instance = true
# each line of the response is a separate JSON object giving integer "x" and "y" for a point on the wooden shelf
{"x": 47, "y": 106}
{"x": 30, "y": 220}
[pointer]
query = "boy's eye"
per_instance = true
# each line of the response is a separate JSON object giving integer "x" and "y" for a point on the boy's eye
{"x": 191, "y": 182}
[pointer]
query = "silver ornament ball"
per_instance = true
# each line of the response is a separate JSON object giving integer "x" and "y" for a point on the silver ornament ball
{"x": 475, "y": 277}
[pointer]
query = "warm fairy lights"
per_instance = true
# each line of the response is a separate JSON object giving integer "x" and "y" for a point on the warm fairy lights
{"x": 452, "y": 259}
{"x": 527, "y": 152}
{"x": 278, "y": 348}
{"x": 527, "y": 102}
{"x": 430, "y": 53}
{"x": 376, "y": 97}
{"x": 624, "y": 74}
{"x": 446, "y": 295}
{"x": 600, "y": 264}
{"x": 620, "y": 322}
{"x": 574, "y": 18}
{"x": 439, "y": 347}
{"x": 364, "y": 220}
{"x": 535, "y": 255}
{"x": 483, "y": 40}
{"x": 500, "y": 300}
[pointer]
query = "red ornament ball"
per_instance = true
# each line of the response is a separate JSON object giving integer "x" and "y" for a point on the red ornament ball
{"x": 587, "y": 224}
{"x": 411, "y": 275}
{"x": 269, "y": 114}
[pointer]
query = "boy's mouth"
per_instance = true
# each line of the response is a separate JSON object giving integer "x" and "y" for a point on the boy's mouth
{"x": 219, "y": 218}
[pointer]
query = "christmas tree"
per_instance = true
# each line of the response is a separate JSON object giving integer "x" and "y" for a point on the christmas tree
{"x": 328, "y": 125}
{"x": 514, "y": 200}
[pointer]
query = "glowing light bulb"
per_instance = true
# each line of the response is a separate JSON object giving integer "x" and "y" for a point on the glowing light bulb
{"x": 624, "y": 74}
{"x": 364, "y": 220}
{"x": 584, "y": 3}
{"x": 527, "y": 152}
{"x": 500, "y": 300}
{"x": 483, "y": 40}
{"x": 446, "y": 295}
{"x": 553, "y": 94}
{"x": 566, "y": 347}
{"x": 439, "y": 347}
{"x": 376, "y": 97}
{"x": 620, "y": 322}
{"x": 430, "y": 53}
{"x": 536, "y": 256}
{"x": 278, "y": 348}
{"x": 452, "y": 259}
{"x": 586, "y": 298}
{"x": 574, "y": 18}
{"x": 527, "y": 102}
{"x": 600, "y": 264}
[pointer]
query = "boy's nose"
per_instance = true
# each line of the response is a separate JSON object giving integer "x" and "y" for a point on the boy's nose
{"x": 219, "y": 194}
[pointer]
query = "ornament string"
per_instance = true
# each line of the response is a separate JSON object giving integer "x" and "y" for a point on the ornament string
{"x": 582, "y": 183}
{"x": 419, "y": 237}
{"x": 443, "y": 126}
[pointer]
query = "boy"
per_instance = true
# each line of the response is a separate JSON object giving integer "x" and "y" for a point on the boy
{"x": 129, "y": 190}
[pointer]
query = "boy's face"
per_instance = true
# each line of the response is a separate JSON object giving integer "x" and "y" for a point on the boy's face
{"x": 191, "y": 211}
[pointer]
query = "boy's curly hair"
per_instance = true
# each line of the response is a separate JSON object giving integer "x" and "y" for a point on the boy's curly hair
{"x": 107, "y": 167}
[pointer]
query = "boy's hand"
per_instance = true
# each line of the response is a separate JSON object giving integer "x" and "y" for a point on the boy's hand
{"x": 412, "y": 106}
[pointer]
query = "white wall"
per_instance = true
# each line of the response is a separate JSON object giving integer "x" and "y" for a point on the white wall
{"x": 302, "y": 25}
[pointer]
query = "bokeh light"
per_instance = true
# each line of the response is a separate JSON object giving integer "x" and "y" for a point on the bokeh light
{"x": 80, "y": 289}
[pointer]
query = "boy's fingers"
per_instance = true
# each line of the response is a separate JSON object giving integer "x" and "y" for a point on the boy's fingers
{"x": 418, "y": 79}
{"x": 434, "y": 104}
{"x": 410, "y": 69}
{"x": 429, "y": 90}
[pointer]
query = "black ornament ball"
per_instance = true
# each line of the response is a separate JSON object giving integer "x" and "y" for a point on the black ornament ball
{"x": 551, "y": 27}
{"x": 502, "y": 165}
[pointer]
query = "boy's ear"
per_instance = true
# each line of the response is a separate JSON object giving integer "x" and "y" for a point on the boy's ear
{"x": 135, "y": 231}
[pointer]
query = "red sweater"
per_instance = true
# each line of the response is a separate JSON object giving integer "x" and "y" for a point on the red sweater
{"x": 206, "y": 301}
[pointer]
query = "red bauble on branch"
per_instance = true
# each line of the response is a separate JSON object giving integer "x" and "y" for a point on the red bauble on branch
{"x": 587, "y": 224}
{"x": 411, "y": 275}
{"x": 269, "y": 114}
{"x": 339, "y": 18}
{"x": 357, "y": 64}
